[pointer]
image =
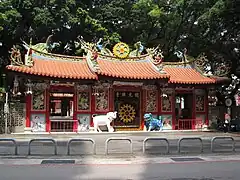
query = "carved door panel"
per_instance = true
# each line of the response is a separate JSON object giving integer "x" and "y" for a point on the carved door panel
{"x": 127, "y": 104}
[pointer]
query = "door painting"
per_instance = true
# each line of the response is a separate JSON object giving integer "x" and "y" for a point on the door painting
{"x": 127, "y": 104}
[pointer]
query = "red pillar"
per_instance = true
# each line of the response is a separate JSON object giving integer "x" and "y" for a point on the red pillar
{"x": 206, "y": 107}
{"x": 143, "y": 94}
{"x": 173, "y": 110}
{"x": 75, "y": 106}
{"x": 194, "y": 109}
{"x": 28, "y": 110}
{"x": 47, "y": 101}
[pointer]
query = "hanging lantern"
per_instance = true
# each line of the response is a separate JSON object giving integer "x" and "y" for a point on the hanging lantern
{"x": 15, "y": 90}
{"x": 237, "y": 99}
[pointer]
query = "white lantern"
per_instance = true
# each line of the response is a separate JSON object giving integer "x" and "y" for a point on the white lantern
{"x": 237, "y": 99}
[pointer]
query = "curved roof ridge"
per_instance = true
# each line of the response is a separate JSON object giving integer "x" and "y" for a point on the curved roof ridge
{"x": 53, "y": 58}
{"x": 56, "y": 56}
{"x": 132, "y": 58}
{"x": 114, "y": 58}
{"x": 124, "y": 60}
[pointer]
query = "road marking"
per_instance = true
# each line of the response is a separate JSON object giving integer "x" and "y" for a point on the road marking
{"x": 184, "y": 159}
{"x": 58, "y": 161}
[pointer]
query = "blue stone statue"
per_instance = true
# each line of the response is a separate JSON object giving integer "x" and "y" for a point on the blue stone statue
{"x": 151, "y": 123}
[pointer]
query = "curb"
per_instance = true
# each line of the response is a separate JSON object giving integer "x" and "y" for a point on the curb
{"x": 93, "y": 161}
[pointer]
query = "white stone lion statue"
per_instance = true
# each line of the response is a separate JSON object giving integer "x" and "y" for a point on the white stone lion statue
{"x": 102, "y": 120}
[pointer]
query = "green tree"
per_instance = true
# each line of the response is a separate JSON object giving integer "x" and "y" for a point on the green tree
{"x": 25, "y": 19}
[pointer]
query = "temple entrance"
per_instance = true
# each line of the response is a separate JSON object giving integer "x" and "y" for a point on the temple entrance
{"x": 61, "y": 110}
{"x": 127, "y": 104}
{"x": 184, "y": 110}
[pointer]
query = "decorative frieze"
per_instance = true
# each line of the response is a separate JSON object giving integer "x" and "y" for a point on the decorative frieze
{"x": 38, "y": 96}
{"x": 167, "y": 91}
{"x": 150, "y": 87}
{"x": 40, "y": 86}
{"x": 151, "y": 101}
{"x": 83, "y": 87}
{"x": 200, "y": 100}
{"x": 200, "y": 103}
{"x": 38, "y": 100}
{"x": 200, "y": 92}
{"x": 101, "y": 92}
{"x": 166, "y": 94}
{"x": 17, "y": 111}
{"x": 167, "y": 103}
{"x": 84, "y": 101}
{"x": 83, "y": 97}
{"x": 101, "y": 100}
{"x": 151, "y": 98}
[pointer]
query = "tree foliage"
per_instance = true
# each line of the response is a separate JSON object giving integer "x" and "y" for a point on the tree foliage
{"x": 210, "y": 26}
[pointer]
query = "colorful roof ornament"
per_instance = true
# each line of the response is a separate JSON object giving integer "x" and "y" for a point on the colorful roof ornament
{"x": 15, "y": 56}
{"x": 121, "y": 50}
{"x": 99, "y": 61}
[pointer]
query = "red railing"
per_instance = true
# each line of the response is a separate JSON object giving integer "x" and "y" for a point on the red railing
{"x": 185, "y": 124}
{"x": 198, "y": 124}
{"x": 64, "y": 125}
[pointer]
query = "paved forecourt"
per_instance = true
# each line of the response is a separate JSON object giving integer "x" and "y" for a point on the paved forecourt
{"x": 138, "y": 168}
{"x": 119, "y": 147}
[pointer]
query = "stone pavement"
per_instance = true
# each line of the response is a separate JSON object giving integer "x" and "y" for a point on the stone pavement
{"x": 164, "y": 134}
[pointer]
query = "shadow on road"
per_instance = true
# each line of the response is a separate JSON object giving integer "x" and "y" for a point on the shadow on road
{"x": 189, "y": 148}
{"x": 51, "y": 167}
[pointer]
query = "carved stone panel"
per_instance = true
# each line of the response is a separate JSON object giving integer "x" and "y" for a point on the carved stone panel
{"x": 151, "y": 101}
{"x": 38, "y": 96}
{"x": 101, "y": 100}
{"x": 167, "y": 103}
{"x": 38, "y": 100}
{"x": 200, "y": 103}
{"x": 84, "y": 101}
{"x": 16, "y": 118}
{"x": 18, "y": 113}
{"x": 166, "y": 94}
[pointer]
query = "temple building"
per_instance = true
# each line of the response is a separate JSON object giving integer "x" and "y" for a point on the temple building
{"x": 60, "y": 92}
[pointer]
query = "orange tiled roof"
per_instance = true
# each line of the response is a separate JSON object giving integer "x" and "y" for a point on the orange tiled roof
{"x": 141, "y": 69}
{"x": 57, "y": 69}
{"x": 187, "y": 75}
{"x": 130, "y": 69}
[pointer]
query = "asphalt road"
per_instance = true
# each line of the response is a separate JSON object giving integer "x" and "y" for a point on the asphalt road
{"x": 227, "y": 170}
{"x": 116, "y": 147}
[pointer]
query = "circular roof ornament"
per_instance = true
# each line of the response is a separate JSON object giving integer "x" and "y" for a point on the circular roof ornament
{"x": 121, "y": 50}
{"x": 228, "y": 102}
